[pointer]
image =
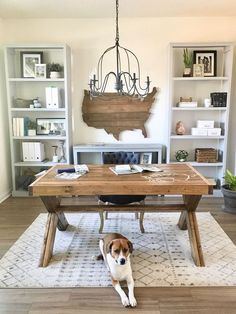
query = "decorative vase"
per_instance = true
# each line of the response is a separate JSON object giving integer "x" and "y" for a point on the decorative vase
{"x": 187, "y": 72}
{"x": 31, "y": 132}
{"x": 54, "y": 75}
{"x": 229, "y": 199}
{"x": 181, "y": 155}
{"x": 179, "y": 128}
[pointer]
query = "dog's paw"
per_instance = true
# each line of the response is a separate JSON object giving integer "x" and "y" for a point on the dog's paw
{"x": 125, "y": 301}
{"x": 132, "y": 301}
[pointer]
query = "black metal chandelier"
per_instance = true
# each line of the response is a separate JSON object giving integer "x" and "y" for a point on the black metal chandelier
{"x": 125, "y": 83}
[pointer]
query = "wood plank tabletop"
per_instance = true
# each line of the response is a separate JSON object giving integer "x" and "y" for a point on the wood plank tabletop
{"x": 174, "y": 179}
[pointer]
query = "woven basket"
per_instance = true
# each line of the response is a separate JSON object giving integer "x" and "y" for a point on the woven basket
{"x": 206, "y": 155}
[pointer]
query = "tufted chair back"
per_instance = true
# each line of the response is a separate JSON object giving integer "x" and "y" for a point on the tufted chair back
{"x": 119, "y": 158}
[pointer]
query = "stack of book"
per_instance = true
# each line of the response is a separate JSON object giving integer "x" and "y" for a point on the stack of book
{"x": 19, "y": 126}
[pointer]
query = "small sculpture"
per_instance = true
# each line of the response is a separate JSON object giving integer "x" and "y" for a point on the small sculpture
{"x": 55, "y": 156}
{"x": 181, "y": 155}
{"x": 179, "y": 128}
{"x": 61, "y": 146}
{"x": 36, "y": 103}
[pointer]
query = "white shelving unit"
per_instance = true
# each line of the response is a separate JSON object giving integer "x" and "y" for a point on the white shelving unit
{"x": 199, "y": 88}
{"x": 28, "y": 89}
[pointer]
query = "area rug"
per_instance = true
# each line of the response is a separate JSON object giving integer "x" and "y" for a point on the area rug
{"x": 161, "y": 255}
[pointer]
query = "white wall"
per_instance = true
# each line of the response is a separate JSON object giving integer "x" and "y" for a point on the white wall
{"x": 148, "y": 38}
{"x": 5, "y": 182}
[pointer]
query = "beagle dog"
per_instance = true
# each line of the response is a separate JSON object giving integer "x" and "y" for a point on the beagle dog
{"x": 116, "y": 250}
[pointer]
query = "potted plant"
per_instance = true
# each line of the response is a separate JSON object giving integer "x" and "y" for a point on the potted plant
{"x": 54, "y": 70}
{"x": 229, "y": 192}
{"x": 31, "y": 128}
{"x": 188, "y": 62}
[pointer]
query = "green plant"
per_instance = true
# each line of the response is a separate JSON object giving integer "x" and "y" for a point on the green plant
{"x": 230, "y": 180}
{"x": 31, "y": 125}
{"x": 188, "y": 58}
{"x": 54, "y": 67}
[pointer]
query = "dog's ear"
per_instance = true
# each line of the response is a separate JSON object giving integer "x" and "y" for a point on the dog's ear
{"x": 108, "y": 247}
{"x": 130, "y": 244}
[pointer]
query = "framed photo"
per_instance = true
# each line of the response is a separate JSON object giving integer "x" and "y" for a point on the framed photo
{"x": 28, "y": 61}
{"x": 146, "y": 158}
{"x": 208, "y": 59}
{"x": 40, "y": 71}
{"x": 198, "y": 70}
{"x": 51, "y": 126}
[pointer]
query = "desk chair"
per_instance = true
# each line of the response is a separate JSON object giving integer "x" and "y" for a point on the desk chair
{"x": 121, "y": 158}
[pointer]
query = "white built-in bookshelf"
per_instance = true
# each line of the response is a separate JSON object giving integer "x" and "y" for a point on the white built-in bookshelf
{"x": 199, "y": 88}
{"x": 20, "y": 91}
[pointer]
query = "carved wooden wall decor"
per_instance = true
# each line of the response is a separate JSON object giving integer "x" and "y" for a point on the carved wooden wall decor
{"x": 116, "y": 113}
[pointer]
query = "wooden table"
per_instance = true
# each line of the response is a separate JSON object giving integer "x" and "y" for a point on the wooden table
{"x": 176, "y": 179}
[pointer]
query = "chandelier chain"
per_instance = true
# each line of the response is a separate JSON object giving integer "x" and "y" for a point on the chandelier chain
{"x": 117, "y": 25}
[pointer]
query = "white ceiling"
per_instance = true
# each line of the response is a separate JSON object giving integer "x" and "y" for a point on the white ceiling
{"x": 106, "y": 8}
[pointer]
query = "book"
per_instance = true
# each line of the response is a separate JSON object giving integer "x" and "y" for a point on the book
{"x": 72, "y": 173}
{"x": 69, "y": 175}
{"x": 187, "y": 104}
{"x": 131, "y": 169}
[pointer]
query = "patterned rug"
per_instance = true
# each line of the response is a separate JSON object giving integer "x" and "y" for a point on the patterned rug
{"x": 161, "y": 256}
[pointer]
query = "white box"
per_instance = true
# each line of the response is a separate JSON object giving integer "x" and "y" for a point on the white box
{"x": 214, "y": 132}
{"x": 189, "y": 104}
{"x": 199, "y": 131}
{"x": 205, "y": 124}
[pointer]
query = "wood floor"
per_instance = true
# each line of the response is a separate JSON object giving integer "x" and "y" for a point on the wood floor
{"x": 16, "y": 214}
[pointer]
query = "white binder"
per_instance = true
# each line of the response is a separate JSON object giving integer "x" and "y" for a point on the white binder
{"x": 39, "y": 153}
{"x": 25, "y": 151}
{"x": 55, "y": 97}
{"x": 48, "y": 97}
{"x": 31, "y": 151}
{"x": 52, "y": 97}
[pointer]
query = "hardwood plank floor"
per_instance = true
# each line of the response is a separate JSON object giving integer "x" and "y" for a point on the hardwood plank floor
{"x": 16, "y": 214}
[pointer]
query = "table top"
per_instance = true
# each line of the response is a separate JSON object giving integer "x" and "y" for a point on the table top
{"x": 175, "y": 179}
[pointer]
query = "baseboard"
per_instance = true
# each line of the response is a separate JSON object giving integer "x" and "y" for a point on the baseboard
{"x": 5, "y": 195}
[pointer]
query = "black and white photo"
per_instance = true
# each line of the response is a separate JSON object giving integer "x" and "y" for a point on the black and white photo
{"x": 40, "y": 71}
{"x": 28, "y": 62}
{"x": 208, "y": 59}
{"x": 53, "y": 126}
{"x": 146, "y": 158}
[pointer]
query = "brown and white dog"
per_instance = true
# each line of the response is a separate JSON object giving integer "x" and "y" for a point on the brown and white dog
{"x": 116, "y": 250}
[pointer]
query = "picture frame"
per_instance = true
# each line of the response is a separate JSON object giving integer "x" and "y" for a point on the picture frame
{"x": 198, "y": 70}
{"x": 51, "y": 126}
{"x": 28, "y": 61}
{"x": 145, "y": 158}
{"x": 209, "y": 60}
{"x": 40, "y": 71}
